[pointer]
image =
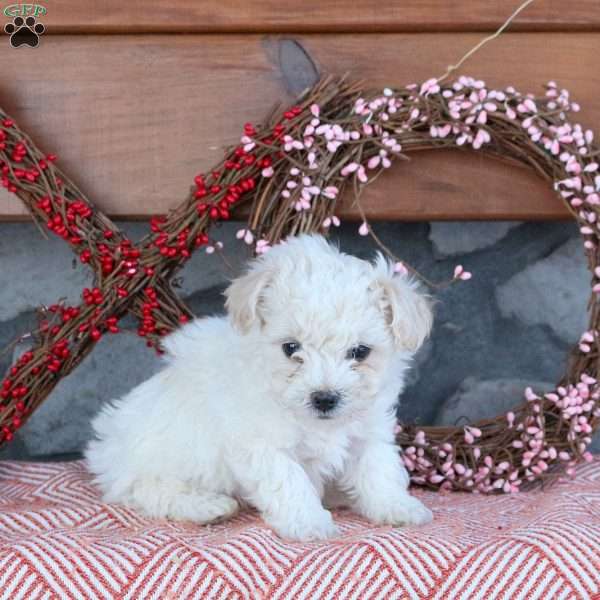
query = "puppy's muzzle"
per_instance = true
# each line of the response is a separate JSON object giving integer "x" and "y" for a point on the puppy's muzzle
{"x": 324, "y": 401}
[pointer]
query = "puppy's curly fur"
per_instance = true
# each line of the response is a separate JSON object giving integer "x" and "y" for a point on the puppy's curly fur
{"x": 288, "y": 400}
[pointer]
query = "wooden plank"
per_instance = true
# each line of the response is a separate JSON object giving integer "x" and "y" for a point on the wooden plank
{"x": 276, "y": 16}
{"x": 133, "y": 118}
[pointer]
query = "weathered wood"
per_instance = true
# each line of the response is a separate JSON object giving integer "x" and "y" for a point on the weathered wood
{"x": 243, "y": 16}
{"x": 133, "y": 118}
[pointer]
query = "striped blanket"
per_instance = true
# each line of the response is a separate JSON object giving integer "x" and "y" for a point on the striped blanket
{"x": 58, "y": 540}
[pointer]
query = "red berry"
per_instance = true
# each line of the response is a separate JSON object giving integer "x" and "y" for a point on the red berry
{"x": 201, "y": 240}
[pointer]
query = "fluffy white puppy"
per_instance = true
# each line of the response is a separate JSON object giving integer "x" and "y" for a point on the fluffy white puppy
{"x": 290, "y": 395}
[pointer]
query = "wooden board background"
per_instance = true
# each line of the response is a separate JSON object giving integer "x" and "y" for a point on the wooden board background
{"x": 134, "y": 116}
{"x": 325, "y": 16}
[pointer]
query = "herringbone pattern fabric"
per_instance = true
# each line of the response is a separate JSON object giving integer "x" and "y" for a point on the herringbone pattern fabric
{"x": 58, "y": 540}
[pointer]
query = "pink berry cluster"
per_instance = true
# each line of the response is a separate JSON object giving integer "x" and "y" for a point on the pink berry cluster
{"x": 476, "y": 464}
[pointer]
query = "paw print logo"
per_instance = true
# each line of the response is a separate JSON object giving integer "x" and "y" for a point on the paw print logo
{"x": 24, "y": 32}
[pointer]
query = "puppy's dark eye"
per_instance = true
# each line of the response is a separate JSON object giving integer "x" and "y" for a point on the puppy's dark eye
{"x": 290, "y": 348}
{"x": 358, "y": 353}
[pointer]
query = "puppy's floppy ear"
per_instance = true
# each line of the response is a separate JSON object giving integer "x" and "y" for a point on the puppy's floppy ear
{"x": 244, "y": 295}
{"x": 407, "y": 310}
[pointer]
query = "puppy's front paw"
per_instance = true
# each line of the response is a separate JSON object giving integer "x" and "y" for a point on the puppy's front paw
{"x": 399, "y": 510}
{"x": 305, "y": 527}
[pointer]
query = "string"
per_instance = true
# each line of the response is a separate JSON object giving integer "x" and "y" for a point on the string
{"x": 484, "y": 41}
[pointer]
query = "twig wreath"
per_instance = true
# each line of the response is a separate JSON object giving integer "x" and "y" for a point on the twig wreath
{"x": 291, "y": 170}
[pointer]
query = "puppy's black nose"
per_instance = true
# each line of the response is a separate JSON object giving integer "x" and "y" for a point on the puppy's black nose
{"x": 325, "y": 400}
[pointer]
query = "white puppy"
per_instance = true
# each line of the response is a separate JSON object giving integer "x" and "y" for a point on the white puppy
{"x": 292, "y": 394}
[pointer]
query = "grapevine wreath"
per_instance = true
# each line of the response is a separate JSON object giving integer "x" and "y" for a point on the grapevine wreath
{"x": 290, "y": 171}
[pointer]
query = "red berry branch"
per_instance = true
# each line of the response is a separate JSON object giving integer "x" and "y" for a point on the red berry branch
{"x": 127, "y": 277}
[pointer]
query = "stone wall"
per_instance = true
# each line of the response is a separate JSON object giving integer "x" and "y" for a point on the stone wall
{"x": 510, "y": 326}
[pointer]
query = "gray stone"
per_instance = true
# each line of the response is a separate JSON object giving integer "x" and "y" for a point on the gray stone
{"x": 10, "y": 332}
{"x": 470, "y": 336}
{"x": 553, "y": 291}
{"x": 476, "y": 399}
{"x": 15, "y": 450}
{"x": 62, "y": 423}
{"x": 452, "y": 238}
{"x": 415, "y": 372}
{"x": 205, "y": 271}
{"x": 36, "y": 271}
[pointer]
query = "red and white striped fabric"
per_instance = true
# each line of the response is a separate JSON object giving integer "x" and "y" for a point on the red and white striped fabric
{"x": 58, "y": 540}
